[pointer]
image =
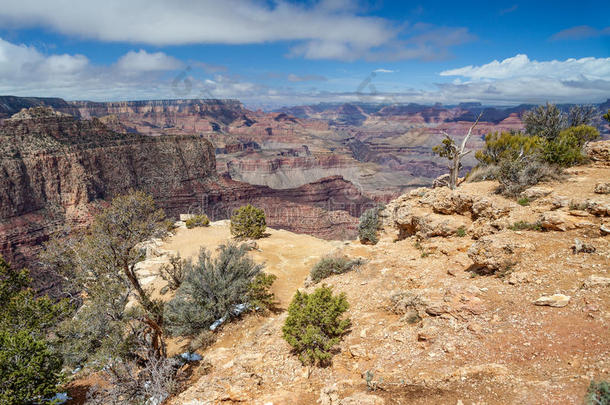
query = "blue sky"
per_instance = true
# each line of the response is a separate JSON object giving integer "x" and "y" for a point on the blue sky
{"x": 273, "y": 53}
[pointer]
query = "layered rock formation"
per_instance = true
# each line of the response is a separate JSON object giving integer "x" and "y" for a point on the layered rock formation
{"x": 53, "y": 167}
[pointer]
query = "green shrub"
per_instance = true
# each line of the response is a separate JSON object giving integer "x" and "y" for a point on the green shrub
{"x": 566, "y": 149}
{"x": 524, "y": 201}
{"x": 213, "y": 288}
{"x": 248, "y": 222}
{"x": 329, "y": 265}
{"x": 369, "y": 225}
{"x": 314, "y": 324}
{"x": 197, "y": 220}
{"x": 461, "y": 232}
{"x": 507, "y": 146}
{"x": 29, "y": 369}
{"x": 598, "y": 393}
{"x": 260, "y": 296}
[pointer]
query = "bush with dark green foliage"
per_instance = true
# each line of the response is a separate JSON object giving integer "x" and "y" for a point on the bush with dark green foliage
{"x": 102, "y": 265}
{"x": 213, "y": 288}
{"x": 315, "y": 324}
{"x": 197, "y": 220}
{"x": 330, "y": 265}
{"x": 566, "y": 149}
{"x": 500, "y": 147}
{"x": 606, "y": 116}
{"x": 30, "y": 369}
{"x": 248, "y": 222}
{"x": 369, "y": 225}
{"x": 598, "y": 393}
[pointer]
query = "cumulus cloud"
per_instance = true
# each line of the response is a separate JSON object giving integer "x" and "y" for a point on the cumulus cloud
{"x": 326, "y": 29}
{"x": 26, "y": 71}
{"x": 521, "y": 66}
{"x": 143, "y": 61}
{"x": 580, "y": 32}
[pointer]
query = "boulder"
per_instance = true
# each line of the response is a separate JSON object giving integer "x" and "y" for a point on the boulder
{"x": 602, "y": 188}
{"x": 497, "y": 252}
{"x": 430, "y": 225}
{"x": 556, "y": 221}
{"x": 555, "y": 300}
{"x": 600, "y": 208}
{"x": 599, "y": 151}
{"x": 535, "y": 192}
{"x": 485, "y": 207}
{"x": 449, "y": 202}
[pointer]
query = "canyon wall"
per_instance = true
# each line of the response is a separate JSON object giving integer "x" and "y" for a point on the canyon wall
{"x": 53, "y": 168}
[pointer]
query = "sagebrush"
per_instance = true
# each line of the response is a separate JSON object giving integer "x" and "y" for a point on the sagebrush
{"x": 214, "y": 287}
{"x": 331, "y": 265}
{"x": 369, "y": 225}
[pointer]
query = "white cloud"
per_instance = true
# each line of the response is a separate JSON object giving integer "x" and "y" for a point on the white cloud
{"x": 143, "y": 61}
{"x": 325, "y": 29}
{"x": 521, "y": 66}
{"x": 383, "y": 71}
{"x": 26, "y": 71}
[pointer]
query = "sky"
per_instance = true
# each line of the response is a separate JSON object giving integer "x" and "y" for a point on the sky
{"x": 280, "y": 53}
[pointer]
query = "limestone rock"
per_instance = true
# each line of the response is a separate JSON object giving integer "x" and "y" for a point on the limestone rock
{"x": 597, "y": 281}
{"x": 598, "y": 207}
{"x": 599, "y": 151}
{"x": 535, "y": 192}
{"x": 555, "y": 300}
{"x": 497, "y": 252}
{"x": 602, "y": 188}
{"x": 484, "y": 207}
{"x": 580, "y": 247}
{"x": 556, "y": 221}
{"x": 430, "y": 225}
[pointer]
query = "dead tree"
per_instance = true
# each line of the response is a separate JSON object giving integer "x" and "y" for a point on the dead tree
{"x": 448, "y": 149}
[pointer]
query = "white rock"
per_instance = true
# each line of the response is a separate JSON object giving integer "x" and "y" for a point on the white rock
{"x": 555, "y": 300}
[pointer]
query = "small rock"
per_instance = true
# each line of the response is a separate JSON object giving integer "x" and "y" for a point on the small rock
{"x": 535, "y": 192}
{"x": 357, "y": 351}
{"x": 580, "y": 247}
{"x": 602, "y": 188}
{"x": 474, "y": 327}
{"x": 597, "y": 281}
{"x": 556, "y": 221}
{"x": 518, "y": 278}
{"x": 604, "y": 229}
{"x": 555, "y": 300}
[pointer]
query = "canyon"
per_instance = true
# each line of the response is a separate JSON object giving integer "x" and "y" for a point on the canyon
{"x": 55, "y": 169}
